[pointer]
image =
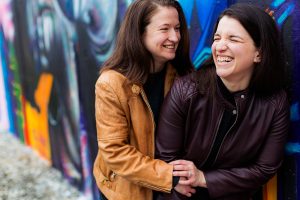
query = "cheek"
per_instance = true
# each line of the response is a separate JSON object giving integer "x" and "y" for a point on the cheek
{"x": 178, "y": 36}
{"x": 213, "y": 48}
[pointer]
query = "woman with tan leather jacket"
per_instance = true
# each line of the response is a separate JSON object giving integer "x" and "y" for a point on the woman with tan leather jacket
{"x": 229, "y": 121}
{"x": 152, "y": 49}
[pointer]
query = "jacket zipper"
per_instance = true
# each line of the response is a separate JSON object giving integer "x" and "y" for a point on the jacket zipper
{"x": 216, "y": 133}
{"x": 152, "y": 118}
{"x": 237, "y": 114}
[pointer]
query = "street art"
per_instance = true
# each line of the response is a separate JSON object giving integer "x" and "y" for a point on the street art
{"x": 11, "y": 77}
{"x": 5, "y": 125}
{"x": 52, "y": 51}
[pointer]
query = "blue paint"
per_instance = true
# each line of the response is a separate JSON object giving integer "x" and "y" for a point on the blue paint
{"x": 187, "y": 8}
{"x": 5, "y": 67}
{"x": 295, "y": 114}
{"x": 277, "y": 3}
{"x": 285, "y": 14}
{"x": 292, "y": 148}
{"x": 207, "y": 12}
{"x": 202, "y": 56}
{"x": 205, "y": 9}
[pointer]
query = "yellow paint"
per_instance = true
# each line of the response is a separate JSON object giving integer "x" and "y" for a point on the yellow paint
{"x": 37, "y": 121}
{"x": 270, "y": 189}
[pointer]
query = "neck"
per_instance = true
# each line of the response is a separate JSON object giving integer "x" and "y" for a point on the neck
{"x": 157, "y": 67}
{"x": 235, "y": 86}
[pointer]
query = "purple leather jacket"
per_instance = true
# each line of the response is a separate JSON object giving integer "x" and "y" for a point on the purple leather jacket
{"x": 251, "y": 151}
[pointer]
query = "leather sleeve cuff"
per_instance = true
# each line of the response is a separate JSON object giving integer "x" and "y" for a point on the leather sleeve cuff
{"x": 175, "y": 181}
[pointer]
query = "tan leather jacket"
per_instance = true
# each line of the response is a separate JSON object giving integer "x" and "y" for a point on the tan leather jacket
{"x": 125, "y": 167}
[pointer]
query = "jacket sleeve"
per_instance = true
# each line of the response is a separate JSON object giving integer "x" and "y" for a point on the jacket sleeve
{"x": 171, "y": 125}
{"x": 113, "y": 141}
{"x": 243, "y": 179}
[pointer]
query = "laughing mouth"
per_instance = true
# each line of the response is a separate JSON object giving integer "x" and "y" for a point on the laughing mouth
{"x": 224, "y": 59}
{"x": 169, "y": 46}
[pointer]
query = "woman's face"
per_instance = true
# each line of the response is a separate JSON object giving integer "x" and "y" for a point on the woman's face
{"x": 234, "y": 52}
{"x": 162, "y": 35}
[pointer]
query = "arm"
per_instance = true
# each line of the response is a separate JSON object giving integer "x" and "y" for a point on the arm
{"x": 170, "y": 130}
{"x": 121, "y": 157}
{"x": 170, "y": 134}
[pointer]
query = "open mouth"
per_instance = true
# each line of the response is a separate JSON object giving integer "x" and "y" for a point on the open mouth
{"x": 224, "y": 59}
{"x": 169, "y": 46}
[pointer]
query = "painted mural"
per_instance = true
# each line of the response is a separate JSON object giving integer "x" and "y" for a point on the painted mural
{"x": 51, "y": 52}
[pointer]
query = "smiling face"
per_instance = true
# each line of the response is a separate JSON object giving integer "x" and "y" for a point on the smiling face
{"x": 162, "y": 35}
{"x": 234, "y": 54}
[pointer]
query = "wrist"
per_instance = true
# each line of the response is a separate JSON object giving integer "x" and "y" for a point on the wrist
{"x": 202, "y": 181}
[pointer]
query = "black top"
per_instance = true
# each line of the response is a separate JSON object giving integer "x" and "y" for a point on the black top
{"x": 154, "y": 89}
{"x": 226, "y": 122}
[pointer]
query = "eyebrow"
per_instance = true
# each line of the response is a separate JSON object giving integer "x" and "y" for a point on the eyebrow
{"x": 163, "y": 25}
{"x": 168, "y": 25}
{"x": 230, "y": 35}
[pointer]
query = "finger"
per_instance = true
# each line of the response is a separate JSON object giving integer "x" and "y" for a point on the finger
{"x": 176, "y": 162}
{"x": 181, "y": 167}
{"x": 188, "y": 194}
{"x": 179, "y": 162}
{"x": 181, "y": 173}
{"x": 185, "y": 182}
{"x": 193, "y": 191}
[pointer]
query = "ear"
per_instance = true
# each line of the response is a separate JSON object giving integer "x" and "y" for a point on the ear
{"x": 257, "y": 57}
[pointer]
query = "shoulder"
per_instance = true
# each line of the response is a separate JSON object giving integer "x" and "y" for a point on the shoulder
{"x": 186, "y": 86}
{"x": 277, "y": 101}
{"x": 278, "y": 98}
{"x": 112, "y": 79}
{"x": 112, "y": 84}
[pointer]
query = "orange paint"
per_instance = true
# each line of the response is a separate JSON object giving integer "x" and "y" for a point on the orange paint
{"x": 37, "y": 121}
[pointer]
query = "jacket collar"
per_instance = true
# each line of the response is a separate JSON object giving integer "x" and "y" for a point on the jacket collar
{"x": 136, "y": 88}
{"x": 239, "y": 96}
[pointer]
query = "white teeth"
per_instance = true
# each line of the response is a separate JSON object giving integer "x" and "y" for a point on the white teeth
{"x": 169, "y": 46}
{"x": 224, "y": 59}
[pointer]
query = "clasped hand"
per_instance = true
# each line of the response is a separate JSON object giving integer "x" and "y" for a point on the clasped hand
{"x": 189, "y": 175}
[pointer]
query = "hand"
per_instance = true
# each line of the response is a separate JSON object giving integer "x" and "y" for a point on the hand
{"x": 184, "y": 189}
{"x": 184, "y": 168}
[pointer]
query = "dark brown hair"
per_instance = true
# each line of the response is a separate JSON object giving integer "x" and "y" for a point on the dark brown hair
{"x": 270, "y": 74}
{"x": 130, "y": 56}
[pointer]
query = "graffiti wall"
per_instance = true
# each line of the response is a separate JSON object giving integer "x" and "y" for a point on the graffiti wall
{"x": 51, "y": 52}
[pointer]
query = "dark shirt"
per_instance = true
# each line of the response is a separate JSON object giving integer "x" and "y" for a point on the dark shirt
{"x": 154, "y": 89}
{"x": 226, "y": 122}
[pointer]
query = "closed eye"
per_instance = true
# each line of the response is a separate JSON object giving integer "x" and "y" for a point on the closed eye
{"x": 235, "y": 39}
{"x": 163, "y": 29}
{"x": 216, "y": 38}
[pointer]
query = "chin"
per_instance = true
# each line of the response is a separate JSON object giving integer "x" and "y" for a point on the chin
{"x": 171, "y": 57}
{"x": 222, "y": 73}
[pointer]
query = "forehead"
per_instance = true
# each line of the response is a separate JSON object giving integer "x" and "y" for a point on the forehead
{"x": 230, "y": 25}
{"x": 164, "y": 15}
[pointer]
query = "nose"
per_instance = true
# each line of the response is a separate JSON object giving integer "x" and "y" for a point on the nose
{"x": 221, "y": 45}
{"x": 174, "y": 35}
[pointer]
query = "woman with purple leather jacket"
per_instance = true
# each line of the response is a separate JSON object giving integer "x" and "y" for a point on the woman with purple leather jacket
{"x": 224, "y": 127}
